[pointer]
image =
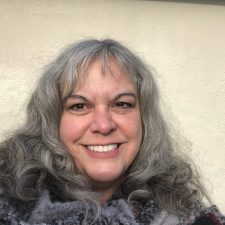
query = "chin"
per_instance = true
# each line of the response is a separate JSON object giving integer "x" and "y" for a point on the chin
{"x": 105, "y": 177}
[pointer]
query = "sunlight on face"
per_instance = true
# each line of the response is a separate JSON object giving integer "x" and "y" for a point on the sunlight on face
{"x": 101, "y": 124}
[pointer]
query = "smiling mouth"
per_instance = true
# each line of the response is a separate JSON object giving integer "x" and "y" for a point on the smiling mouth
{"x": 102, "y": 148}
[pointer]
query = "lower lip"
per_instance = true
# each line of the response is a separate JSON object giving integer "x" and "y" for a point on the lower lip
{"x": 103, "y": 155}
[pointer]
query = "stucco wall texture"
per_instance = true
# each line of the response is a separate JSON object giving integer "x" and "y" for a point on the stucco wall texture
{"x": 183, "y": 42}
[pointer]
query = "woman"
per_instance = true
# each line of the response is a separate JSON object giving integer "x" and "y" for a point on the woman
{"x": 95, "y": 149}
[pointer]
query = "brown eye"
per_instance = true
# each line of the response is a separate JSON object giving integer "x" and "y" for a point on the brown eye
{"x": 78, "y": 107}
{"x": 124, "y": 105}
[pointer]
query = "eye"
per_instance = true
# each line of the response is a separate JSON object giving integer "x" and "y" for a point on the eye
{"x": 124, "y": 105}
{"x": 79, "y": 107}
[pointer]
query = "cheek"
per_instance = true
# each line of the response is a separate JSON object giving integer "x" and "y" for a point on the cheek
{"x": 134, "y": 127}
{"x": 69, "y": 130}
{"x": 136, "y": 135}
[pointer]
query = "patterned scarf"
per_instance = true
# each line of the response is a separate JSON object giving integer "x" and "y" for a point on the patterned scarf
{"x": 114, "y": 212}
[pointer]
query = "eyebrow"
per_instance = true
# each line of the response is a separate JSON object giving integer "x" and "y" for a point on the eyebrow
{"x": 116, "y": 98}
{"x": 74, "y": 96}
{"x": 125, "y": 94}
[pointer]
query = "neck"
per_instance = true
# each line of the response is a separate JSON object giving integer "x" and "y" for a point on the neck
{"x": 105, "y": 190}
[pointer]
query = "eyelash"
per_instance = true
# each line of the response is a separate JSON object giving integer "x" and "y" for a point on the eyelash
{"x": 77, "y": 106}
{"x": 80, "y": 107}
{"x": 124, "y": 105}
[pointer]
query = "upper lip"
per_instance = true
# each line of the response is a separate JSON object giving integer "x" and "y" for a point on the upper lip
{"x": 101, "y": 144}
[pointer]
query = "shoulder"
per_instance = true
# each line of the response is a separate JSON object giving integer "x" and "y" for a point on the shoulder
{"x": 13, "y": 211}
{"x": 210, "y": 216}
{"x": 7, "y": 211}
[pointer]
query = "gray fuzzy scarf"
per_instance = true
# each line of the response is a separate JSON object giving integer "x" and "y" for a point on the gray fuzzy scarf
{"x": 115, "y": 212}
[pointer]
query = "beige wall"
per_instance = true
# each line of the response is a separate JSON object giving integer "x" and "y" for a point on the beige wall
{"x": 185, "y": 43}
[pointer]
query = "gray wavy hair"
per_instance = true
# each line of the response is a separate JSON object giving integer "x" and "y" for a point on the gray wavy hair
{"x": 34, "y": 153}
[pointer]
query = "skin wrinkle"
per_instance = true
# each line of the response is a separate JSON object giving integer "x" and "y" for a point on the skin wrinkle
{"x": 102, "y": 122}
{"x": 160, "y": 170}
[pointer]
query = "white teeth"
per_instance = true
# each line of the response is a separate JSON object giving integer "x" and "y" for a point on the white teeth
{"x": 102, "y": 148}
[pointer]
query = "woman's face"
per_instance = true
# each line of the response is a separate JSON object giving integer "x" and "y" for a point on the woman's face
{"x": 101, "y": 123}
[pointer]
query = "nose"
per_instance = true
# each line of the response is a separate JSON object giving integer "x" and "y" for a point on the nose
{"x": 102, "y": 122}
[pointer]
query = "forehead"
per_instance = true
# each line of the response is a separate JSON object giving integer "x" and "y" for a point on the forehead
{"x": 105, "y": 78}
{"x": 100, "y": 69}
